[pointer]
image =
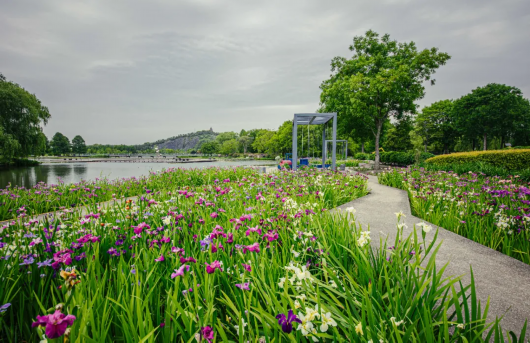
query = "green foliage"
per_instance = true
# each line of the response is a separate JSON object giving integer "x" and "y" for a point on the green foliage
{"x": 383, "y": 79}
{"x": 244, "y": 141}
{"x": 78, "y": 145}
{"x": 492, "y": 110}
{"x": 508, "y": 159}
{"x": 402, "y": 158}
{"x": 397, "y": 138}
{"x": 21, "y": 117}
{"x": 435, "y": 124}
{"x": 372, "y": 292}
{"x": 229, "y": 147}
{"x": 225, "y": 136}
{"x": 60, "y": 144}
{"x": 266, "y": 142}
{"x": 362, "y": 156}
{"x": 210, "y": 148}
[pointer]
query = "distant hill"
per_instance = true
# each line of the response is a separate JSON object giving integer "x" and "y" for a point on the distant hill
{"x": 186, "y": 141}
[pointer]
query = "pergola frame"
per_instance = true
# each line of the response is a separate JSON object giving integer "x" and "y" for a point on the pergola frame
{"x": 340, "y": 140}
{"x": 315, "y": 119}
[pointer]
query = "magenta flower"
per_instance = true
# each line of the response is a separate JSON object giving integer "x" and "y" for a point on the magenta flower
{"x": 253, "y": 229}
{"x": 210, "y": 268}
{"x": 55, "y": 324}
{"x": 180, "y": 271}
{"x": 230, "y": 238}
{"x": 188, "y": 259}
{"x": 251, "y": 248}
{"x": 160, "y": 259}
{"x": 214, "y": 215}
{"x": 207, "y": 333}
{"x": 243, "y": 286}
{"x": 271, "y": 236}
{"x": 247, "y": 267}
{"x": 287, "y": 322}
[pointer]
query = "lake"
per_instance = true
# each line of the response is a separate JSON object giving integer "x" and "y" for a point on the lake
{"x": 51, "y": 173}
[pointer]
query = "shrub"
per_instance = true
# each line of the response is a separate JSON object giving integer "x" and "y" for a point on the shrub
{"x": 403, "y": 158}
{"x": 362, "y": 156}
{"x": 517, "y": 159}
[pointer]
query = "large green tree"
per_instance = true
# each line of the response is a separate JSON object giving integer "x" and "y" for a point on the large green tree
{"x": 383, "y": 79}
{"x": 494, "y": 110}
{"x": 210, "y": 148}
{"x": 21, "y": 117}
{"x": 229, "y": 147}
{"x": 60, "y": 144}
{"x": 78, "y": 145}
{"x": 435, "y": 124}
{"x": 397, "y": 137}
{"x": 244, "y": 141}
{"x": 266, "y": 142}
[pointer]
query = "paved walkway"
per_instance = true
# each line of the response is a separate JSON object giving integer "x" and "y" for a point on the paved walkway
{"x": 504, "y": 279}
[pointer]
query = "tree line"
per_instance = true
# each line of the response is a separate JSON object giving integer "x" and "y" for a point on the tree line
{"x": 374, "y": 92}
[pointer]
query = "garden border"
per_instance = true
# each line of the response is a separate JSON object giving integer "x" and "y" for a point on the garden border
{"x": 502, "y": 278}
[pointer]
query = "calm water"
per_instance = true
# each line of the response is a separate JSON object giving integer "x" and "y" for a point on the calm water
{"x": 75, "y": 172}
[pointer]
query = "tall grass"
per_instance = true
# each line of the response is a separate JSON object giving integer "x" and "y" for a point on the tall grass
{"x": 319, "y": 265}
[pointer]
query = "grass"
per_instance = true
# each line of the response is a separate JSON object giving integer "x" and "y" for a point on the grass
{"x": 493, "y": 211}
{"x": 273, "y": 235}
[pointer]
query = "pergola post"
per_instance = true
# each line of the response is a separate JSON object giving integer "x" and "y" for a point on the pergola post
{"x": 334, "y": 152}
{"x": 294, "y": 154}
{"x": 323, "y": 147}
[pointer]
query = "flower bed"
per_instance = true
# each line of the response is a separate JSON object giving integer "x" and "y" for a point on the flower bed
{"x": 492, "y": 211}
{"x": 244, "y": 257}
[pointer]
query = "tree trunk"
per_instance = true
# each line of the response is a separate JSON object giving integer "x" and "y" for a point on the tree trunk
{"x": 473, "y": 145}
{"x": 377, "y": 136}
{"x": 362, "y": 147}
{"x": 244, "y": 149}
{"x": 502, "y": 142}
{"x": 485, "y": 142}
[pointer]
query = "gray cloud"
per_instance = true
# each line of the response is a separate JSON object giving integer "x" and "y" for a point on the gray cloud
{"x": 135, "y": 71}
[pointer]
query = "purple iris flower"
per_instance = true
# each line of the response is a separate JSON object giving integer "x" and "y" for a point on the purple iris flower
{"x": 27, "y": 261}
{"x": 4, "y": 307}
{"x": 287, "y": 322}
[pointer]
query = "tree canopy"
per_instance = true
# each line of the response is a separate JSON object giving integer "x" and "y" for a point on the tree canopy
{"x": 383, "y": 79}
{"x": 60, "y": 144}
{"x": 492, "y": 110}
{"x": 21, "y": 117}
{"x": 78, "y": 145}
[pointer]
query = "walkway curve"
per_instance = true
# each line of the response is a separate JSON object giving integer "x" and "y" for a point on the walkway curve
{"x": 504, "y": 279}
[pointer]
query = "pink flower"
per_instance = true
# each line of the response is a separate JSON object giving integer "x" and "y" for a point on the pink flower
{"x": 207, "y": 333}
{"x": 271, "y": 236}
{"x": 180, "y": 271}
{"x": 56, "y": 323}
{"x": 230, "y": 238}
{"x": 160, "y": 259}
{"x": 214, "y": 215}
{"x": 210, "y": 268}
{"x": 253, "y": 229}
{"x": 176, "y": 250}
{"x": 243, "y": 286}
{"x": 247, "y": 267}
{"x": 252, "y": 248}
{"x": 186, "y": 260}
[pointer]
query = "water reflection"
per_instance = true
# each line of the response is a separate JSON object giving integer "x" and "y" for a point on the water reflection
{"x": 53, "y": 173}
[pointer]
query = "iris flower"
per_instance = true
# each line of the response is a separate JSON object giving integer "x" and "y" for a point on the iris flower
{"x": 55, "y": 323}
{"x": 287, "y": 321}
{"x": 180, "y": 271}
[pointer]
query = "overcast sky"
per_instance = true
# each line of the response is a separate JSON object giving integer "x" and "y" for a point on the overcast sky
{"x": 126, "y": 71}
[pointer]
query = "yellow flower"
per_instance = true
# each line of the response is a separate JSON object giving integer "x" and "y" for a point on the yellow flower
{"x": 70, "y": 278}
{"x": 359, "y": 328}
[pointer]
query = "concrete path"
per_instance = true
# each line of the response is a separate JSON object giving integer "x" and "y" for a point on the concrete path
{"x": 504, "y": 279}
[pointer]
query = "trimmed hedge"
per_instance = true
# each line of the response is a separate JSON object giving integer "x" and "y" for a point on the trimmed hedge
{"x": 400, "y": 158}
{"x": 403, "y": 158}
{"x": 516, "y": 159}
{"x": 362, "y": 156}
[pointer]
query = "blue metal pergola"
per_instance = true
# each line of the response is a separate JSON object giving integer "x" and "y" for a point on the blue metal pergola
{"x": 316, "y": 119}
